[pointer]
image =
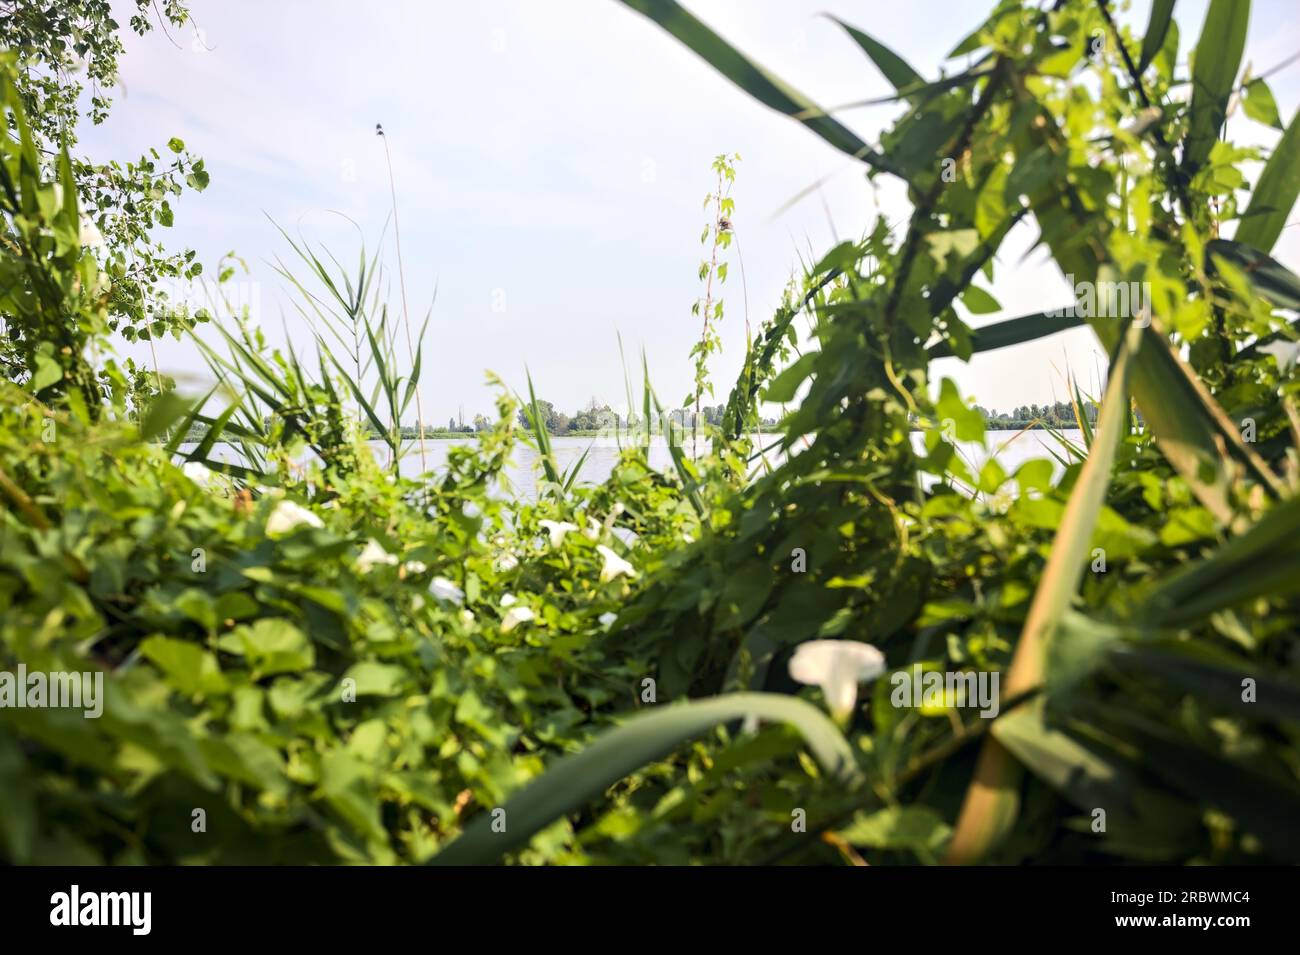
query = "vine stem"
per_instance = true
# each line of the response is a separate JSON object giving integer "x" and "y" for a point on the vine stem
{"x": 708, "y": 305}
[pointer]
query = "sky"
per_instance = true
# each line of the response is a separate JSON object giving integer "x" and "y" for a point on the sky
{"x": 550, "y": 162}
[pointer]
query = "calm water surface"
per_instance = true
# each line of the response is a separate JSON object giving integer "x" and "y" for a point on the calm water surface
{"x": 1011, "y": 448}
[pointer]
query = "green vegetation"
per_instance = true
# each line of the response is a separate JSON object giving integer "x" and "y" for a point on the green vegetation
{"x": 330, "y": 662}
{"x": 1060, "y": 416}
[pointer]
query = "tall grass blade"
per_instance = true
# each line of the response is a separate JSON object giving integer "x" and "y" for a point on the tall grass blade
{"x": 406, "y": 316}
{"x": 1013, "y": 331}
{"x": 991, "y": 802}
{"x": 1263, "y": 561}
{"x": 542, "y": 437}
{"x": 756, "y": 81}
{"x": 1081, "y": 414}
{"x": 895, "y": 69}
{"x": 1162, "y": 12}
{"x": 1275, "y": 192}
{"x": 1217, "y": 58}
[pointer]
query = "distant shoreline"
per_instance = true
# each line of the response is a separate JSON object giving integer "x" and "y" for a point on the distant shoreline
{"x": 445, "y": 435}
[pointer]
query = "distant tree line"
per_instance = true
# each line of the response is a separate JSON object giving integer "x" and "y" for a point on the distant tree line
{"x": 601, "y": 417}
{"x": 595, "y": 417}
{"x": 1057, "y": 416}
{"x": 598, "y": 417}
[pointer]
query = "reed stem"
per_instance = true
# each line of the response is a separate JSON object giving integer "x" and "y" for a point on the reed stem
{"x": 406, "y": 317}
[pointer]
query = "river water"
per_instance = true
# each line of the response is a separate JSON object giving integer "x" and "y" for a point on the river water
{"x": 1011, "y": 448}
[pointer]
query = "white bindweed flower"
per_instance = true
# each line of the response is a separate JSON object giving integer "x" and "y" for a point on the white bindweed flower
{"x": 607, "y": 618}
{"x": 444, "y": 589}
{"x": 373, "y": 555}
{"x": 286, "y": 515}
{"x": 197, "y": 472}
{"x": 1284, "y": 353}
{"x": 415, "y": 567}
{"x": 837, "y": 666}
{"x": 467, "y": 616}
{"x": 91, "y": 237}
{"x": 509, "y": 600}
{"x": 594, "y": 527}
{"x": 557, "y": 530}
{"x": 614, "y": 565}
{"x": 507, "y": 561}
{"x": 514, "y": 617}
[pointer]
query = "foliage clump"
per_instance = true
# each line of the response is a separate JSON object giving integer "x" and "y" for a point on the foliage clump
{"x": 335, "y": 663}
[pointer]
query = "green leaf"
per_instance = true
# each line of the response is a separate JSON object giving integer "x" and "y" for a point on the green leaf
{"x": 1217, "y": 57}
{"x": 187, "y": 666}
{"x": 1085, "y": 777}
{"x": 1140, "y": 819}
{"x": 785, "y": 385}
{"x": 578, "y": 779}
{"x": 346, "y": 784}
{"x": 895, "y": 68}
{"x": 244, "y": 757}
{"x": 1162, "y": 12}
{"x": 1270, "y": 279}
{"x": 979, "y": 302}
{"x": 916, "y": 828}
{"x": 1274, "y": 698}
{"x": 1189, "y": 424}
{"x": 48, "y": 372}
{"x": 1013, "y": 331}
{"x": 165, "y": 411}
{"x": 69, "y": 183}
{"x": 992, "y": 476}
{"x": 1258, "y": 103}
{"x": 376, "y": 679}
{"x": 967, "y": 423}
{"x": 952, "y": 246}
{"x": 1274, "y": 193}
{"x": 272, "y": 645}
{"x": 20, "y": 821}
{"x": 1081, "y": 647}
{"x": 1263, "y": 561}
{"x": 1261, "y": 802}
{"x": 1035, "y": 474}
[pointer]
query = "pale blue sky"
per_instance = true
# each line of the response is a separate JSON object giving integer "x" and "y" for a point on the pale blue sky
{"x": 554, "y": 157}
